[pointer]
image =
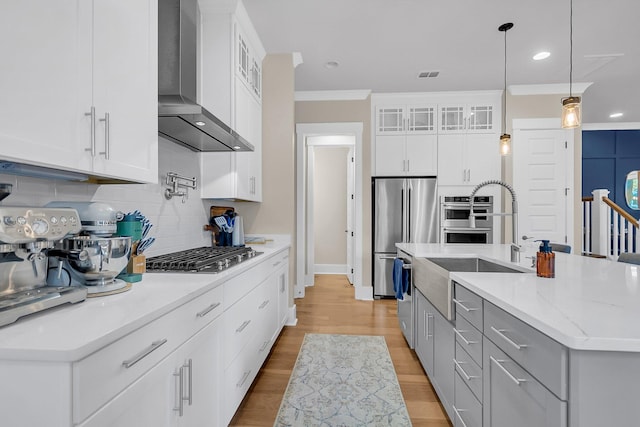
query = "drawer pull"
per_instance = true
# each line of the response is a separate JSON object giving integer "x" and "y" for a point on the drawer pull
{"x": 457, "y": 411}
{"x": 208, "y": 309}
{"x": 467, "y": 342}
{"x": 266, "y": 343}
{"x": 429, "y": 316}
{"x": 275, "y": 264}
{"x": 264, "y": 304}
{"x": 244, "y": 325}
{"x": 518, "y": 381}
{"x": 499, "y": 332}
{"x": 180, "y": 375}
{"x": 464, "y": 307}
{"x": 243, "y": 379}
{"x": 144, "y": 353}
{"x": 189, "y": 365}
{"x": 464, "y": 373}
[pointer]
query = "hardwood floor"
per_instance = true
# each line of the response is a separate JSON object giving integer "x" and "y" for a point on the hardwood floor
{"x": 329, "y": 307}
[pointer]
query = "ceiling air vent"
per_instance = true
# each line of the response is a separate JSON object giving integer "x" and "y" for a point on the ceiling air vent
{"x": 426, "y": 74}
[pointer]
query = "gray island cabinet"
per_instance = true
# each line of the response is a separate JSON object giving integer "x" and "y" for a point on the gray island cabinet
{"x": 525, "y": 351}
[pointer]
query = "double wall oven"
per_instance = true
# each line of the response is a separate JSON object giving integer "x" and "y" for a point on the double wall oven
{"x": 454, "y": 219}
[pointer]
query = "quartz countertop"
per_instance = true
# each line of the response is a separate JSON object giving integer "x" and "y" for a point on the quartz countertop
{"x": 591, "y": 304}
{"x": 71, "y": 332}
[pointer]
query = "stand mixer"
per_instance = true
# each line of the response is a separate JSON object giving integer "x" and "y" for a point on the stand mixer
{"x": 94, "y": 258}
{"x": 26, "y": 234}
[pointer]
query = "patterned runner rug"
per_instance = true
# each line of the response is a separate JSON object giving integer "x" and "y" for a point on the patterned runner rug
{"x": 343, "y": 380}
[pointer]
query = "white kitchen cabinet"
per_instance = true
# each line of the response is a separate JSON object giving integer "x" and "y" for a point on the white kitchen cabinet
{"x": 233, "y": 91}
{"x": 468, "y": 159}
{"x": 78, "y": 95}
{"x": 282, "y": 276}
{"x": 406, "y": 141}
{"x": 424, "y": 332}
{"x": 478, "y": 117}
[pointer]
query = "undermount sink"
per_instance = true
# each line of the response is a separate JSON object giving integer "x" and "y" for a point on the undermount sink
{"x": 472, "y": 265}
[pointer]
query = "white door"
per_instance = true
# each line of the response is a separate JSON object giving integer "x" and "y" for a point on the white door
{"x": 543, "y": 181}
{"x": 350, "y": 231}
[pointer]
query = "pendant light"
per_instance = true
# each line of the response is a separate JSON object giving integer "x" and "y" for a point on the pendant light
{"x": 571, "y": 114}
{"x": 505, "y": 138}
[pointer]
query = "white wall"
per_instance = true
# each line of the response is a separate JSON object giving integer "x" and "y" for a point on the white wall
{"x": 176, "y": 226}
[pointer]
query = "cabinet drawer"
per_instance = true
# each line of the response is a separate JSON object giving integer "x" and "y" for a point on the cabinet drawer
{"x": 469, "y": 338}
{"x": 469, "y": 306}
{"x": 239, "y": 286}
{"x": 467, "y": 410}
{"x": 540, "y": 355}
{"x": 238, "y": 377}
{"x": 470, "y": 372}
{"x": 240, "y": 324}
{"x": 102, "y": 375}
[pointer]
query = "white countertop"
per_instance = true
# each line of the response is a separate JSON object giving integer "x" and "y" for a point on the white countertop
{"x": 591, "y": 304}
{"x": 72, "y": 332}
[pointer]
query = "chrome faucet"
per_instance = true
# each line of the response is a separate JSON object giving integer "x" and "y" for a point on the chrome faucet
{"x": 515, "y": 248}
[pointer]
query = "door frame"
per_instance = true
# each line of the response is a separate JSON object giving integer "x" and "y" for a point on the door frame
{"x": 520, "y": 125}
{"x": 304, "y": 236}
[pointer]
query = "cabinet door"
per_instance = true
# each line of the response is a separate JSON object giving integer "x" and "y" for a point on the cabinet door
{"x": 283, "y": 293}
{"x": 149, "y": 401}
{"x": 243, "y": 58}
{"x": 421, "y": 119}
{"x": 45, "y": 81}
{"x": 443, "y": 367}
{"x": 390, "y": 120}
{"x": 481, "y": 118}
{"x": 451, "y": 167}
{"x": 390, "y": 155}
{"x": 424, "y": 333}
{"x": 482, "y": 158}
{"x": 125, "y": 87}
{"x": 513, "y": 397}
{"x": 421, "y": 153}
{"x": 201, "y": 374}
{"x": 452, "y": 119}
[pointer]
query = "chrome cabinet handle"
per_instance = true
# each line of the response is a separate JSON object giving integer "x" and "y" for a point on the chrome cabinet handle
{"x": 107, "y": 143}
{"x": 180, "y": 407}
{"x": 208, "y": 309}
{"x": 464, "y": 373}
{"x": 499, "y": 332}
{"x": 282, "y": 282}
{"x": 266, "y": 343}
{"x": 457, "y": 411}
{"x": 92, "y": 114}
{"x": 244, "y": 325}
{"x": 243, "y": 379}
{"x": 144, "y": 353}
{"x": 464, "y": 307}
{"x": 274, "y": 265}
{"x": 467, "y": 342}
{"x": 189, "y": 365}
{"x": 429, "y": 316}
{"x": 408, "y": 165}
{"x": 264, "y": 304}
{"x": 518, "y": 381}
{"x": 468, "y": 175}
{"x": 388, "y": 257}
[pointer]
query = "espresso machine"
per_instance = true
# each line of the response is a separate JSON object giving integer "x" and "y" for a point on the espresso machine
{"x": 26, "y": 235}
{"x": 93, "y": 258}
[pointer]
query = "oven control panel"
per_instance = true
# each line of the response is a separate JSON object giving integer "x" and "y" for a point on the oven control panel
{"x": 27, "y": 224}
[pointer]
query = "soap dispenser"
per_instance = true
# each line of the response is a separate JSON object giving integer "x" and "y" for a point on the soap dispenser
{"x": 545, "y": 260}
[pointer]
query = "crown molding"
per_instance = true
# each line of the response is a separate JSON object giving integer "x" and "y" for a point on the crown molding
{"x": 611, "y": 126}
{"x": 549, "y": 89}
{"x": 332, "y": 95}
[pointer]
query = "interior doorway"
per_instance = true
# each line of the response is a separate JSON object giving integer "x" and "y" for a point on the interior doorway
{"x": 311, "y": 139}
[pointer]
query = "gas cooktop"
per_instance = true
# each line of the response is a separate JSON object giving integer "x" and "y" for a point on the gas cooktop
{"x": 200, "y": 260}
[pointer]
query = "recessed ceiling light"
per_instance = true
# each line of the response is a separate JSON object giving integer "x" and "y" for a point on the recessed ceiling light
{"x": 541, "y": 55}
{"x": 615, "y": 115}
{"x": 332, "y": 64}
{"x": 236, "y": 147}
{"x": 200, "y": 123}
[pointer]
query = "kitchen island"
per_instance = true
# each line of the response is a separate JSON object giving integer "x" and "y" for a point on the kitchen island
{"x": 135, "y": 358}
{"x": 536, "y": 351}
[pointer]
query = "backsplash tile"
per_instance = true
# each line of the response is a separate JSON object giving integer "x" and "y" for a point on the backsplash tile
{"x": 176, "y": 225}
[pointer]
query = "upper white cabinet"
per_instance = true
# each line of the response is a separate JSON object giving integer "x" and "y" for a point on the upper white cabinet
{"x": 80, "y": 95}
{"x": 468, "y": 159}
{"x": 468, "y": 118}
{"x": 232, "y": 90}
{"x": 406, "y": 140}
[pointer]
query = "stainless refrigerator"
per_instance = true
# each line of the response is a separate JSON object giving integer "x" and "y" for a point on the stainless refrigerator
{"x": 404, "y": 211}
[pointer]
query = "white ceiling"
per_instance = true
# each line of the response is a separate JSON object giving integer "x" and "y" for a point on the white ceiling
{"x": 382, "y": 45}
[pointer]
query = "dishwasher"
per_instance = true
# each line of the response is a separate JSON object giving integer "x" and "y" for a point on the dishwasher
{"x": 406, "y": 307}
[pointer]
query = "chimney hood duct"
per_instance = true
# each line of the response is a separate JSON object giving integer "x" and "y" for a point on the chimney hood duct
{"x": 180, "y": 118}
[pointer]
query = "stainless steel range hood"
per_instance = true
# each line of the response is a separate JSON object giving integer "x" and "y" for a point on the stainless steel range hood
{"x": 180, "y": 118}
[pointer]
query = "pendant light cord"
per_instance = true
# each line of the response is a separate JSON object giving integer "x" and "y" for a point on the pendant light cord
{"x": 570, "y": 47}
{"x": 504, "y": 112}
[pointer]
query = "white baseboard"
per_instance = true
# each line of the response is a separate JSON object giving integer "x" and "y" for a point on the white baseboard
{"x": 292, "y": 319}
{"x": 330, "y": 268}
{"x": 364, "y": 293}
